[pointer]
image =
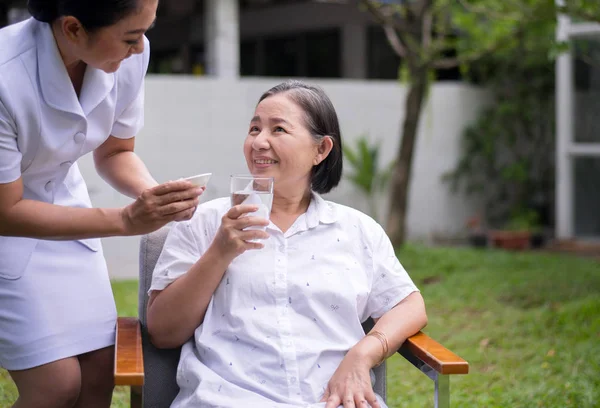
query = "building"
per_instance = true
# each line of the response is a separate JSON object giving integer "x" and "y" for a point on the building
{"x": 268, "y": 38}
{"x": 578, "y": 131}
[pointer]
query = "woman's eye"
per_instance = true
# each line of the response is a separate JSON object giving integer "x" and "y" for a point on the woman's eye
{"x": 132, "y": 42}
{"x": 254, "y": 129}
{"x": 279, "y": 129}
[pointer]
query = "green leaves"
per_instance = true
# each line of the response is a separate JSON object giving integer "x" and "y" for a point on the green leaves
{"x": 365, "y": 172}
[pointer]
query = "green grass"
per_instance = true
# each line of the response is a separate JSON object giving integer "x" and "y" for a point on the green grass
{"x": 529, "y": 325}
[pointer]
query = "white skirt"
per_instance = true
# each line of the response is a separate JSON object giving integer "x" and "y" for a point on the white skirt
{"x": 61, "y": 306}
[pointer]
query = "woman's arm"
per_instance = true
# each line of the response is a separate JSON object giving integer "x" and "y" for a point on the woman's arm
{"x": 175, "y": 312}
{"x": 120, "y": 167}
{"x": 398, "y": 324}
{"x": 350, "y": 385}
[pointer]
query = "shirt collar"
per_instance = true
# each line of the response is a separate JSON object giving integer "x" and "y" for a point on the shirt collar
{"x": 319, "y": 211}
{"x": 55, "y": 83}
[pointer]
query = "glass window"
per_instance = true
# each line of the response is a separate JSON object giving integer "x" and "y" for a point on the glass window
{"x": 383, "y": 63}
{"x": 249, "y": 58}
{"x": 586, "y": 54}
{"x": 587, "y": 196}
{"x": 323, "y": 54}
{"x": 282, "y": 57}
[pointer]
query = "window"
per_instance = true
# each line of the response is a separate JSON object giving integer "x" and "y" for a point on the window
{"x": 383, "y": 63}
{"x": 282, "y": 56}
{"x": 586, "y": 55}
{"x": 315, "y": 54}
{"x": 323, "y": 54}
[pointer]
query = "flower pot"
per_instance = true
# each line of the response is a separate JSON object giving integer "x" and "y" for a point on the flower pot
{"x": 511, "y": 240}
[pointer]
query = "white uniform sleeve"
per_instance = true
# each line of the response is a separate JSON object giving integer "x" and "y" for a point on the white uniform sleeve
{"x": 391, "y": 283}
{"x": 131, "y": 120}
{"x": 185, "y": 244}
{"x": 10, "y": 156}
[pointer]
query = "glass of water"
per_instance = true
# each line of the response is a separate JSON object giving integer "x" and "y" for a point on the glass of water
{"x": 254, "y": 190}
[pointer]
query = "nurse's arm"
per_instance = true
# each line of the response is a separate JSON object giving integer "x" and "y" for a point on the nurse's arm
{"x": 36, "y": 219}
{"x": 119, "y": 166}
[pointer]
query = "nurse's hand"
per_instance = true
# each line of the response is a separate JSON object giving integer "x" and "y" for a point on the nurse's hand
{"x": 234, "y": 236}
{"x": 157, "y": 206}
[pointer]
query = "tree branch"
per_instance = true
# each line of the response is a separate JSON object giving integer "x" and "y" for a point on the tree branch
{"x": 394, "y": 41}
{"x": 427, "y": 29}
{"x": 391, "y": 28}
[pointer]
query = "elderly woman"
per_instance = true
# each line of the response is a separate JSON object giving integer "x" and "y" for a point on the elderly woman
{"x": 272, "y": 318}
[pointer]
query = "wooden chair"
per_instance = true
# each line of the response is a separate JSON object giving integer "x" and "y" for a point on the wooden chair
{"x": 150, "y": 372}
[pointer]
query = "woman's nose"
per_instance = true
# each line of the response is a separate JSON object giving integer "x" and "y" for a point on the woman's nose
{"x": 261, "y": 141}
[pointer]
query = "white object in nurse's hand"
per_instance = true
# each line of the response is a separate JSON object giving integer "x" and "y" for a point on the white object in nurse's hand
{"x": 199, "y": 180}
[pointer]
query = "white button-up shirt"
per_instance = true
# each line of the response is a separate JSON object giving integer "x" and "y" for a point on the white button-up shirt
{"x": 283, "y": 317}
{"x": 45, "y": 127}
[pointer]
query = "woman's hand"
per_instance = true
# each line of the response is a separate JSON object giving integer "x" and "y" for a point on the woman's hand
{"x": 232, "y": 239}
{"x": 350, "y": 385}
{"x": 159, "y": 205}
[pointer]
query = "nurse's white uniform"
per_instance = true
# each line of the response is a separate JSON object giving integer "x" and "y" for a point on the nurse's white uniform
{"x": 55, "y": 296}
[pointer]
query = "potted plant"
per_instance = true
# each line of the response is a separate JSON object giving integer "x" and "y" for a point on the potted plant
{"x": 517, "y": 233}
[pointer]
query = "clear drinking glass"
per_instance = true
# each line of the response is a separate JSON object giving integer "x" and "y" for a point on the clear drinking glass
{"x": 249, "y": 189}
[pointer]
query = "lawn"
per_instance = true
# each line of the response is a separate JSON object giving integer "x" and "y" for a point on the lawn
{"x": 529, "y": 325}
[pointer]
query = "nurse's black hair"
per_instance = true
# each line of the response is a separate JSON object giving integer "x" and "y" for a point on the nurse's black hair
{"x": 93, "y": 14}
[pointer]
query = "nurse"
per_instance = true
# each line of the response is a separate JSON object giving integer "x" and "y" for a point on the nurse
{"x": 71, "y": 82}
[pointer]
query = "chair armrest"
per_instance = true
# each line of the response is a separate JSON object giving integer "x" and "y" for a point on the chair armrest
{"x": 129, "y": 359}
{"x": 424, "y": 349}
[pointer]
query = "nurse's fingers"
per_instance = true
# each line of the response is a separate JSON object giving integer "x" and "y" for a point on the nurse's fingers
{"x": 183, "y": 215}
{"x": 177, "y": 207}
{"x": 180, "y": 195}
{"x": 171, "y": 186}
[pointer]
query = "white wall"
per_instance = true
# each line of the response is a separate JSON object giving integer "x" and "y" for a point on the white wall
{"x": 196, "y": 125}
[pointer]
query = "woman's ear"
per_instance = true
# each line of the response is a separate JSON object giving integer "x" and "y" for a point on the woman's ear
{"x": 323, "y": 149}
{"x": 73, "y": 30}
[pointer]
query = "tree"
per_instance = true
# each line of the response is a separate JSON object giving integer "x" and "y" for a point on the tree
{"x": 423, "y": 33}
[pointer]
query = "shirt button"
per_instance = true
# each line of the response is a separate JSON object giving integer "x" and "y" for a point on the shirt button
{"x": 66, "y": 165}
{"x": 79, "y": 137}
{"x": 49, "y": 186}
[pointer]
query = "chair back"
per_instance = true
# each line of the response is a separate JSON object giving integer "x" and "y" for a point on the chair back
{"x": 160, "y": 366}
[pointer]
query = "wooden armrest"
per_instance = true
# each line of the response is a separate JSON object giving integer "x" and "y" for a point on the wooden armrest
{"x": 433, "y": 354}
{"x": 129, "y": 359}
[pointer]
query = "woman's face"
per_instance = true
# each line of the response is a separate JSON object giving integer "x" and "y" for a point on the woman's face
{"x": 108, "y": 47}
{"x": 279, "y": 144}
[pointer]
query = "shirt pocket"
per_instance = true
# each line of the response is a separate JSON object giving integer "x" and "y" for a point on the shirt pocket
{"x": 15, "y": 253}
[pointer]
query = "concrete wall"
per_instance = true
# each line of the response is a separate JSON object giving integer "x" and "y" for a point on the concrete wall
{"x": 196, "y": 125}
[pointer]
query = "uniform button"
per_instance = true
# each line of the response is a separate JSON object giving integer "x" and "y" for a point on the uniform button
{"x": 49, "y": 186}
{"x": 66, "y": 165}
{"x": 79, "y": 137}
